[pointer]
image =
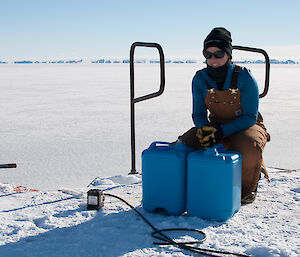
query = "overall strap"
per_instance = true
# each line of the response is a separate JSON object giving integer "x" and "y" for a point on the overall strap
{"x": 234, "y": 77}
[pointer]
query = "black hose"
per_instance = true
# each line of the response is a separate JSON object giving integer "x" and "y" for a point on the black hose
{"x": 158, "y": 234}
{"x": 154, "y": 234}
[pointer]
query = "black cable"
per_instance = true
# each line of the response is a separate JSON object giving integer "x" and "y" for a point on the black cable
{"x": 154, "y": 234}
{"x": 158, "y": 234}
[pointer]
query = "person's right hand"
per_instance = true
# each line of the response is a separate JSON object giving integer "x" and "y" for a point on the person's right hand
{"x": 209, "y": 135}
{"x": 202, "y": 132}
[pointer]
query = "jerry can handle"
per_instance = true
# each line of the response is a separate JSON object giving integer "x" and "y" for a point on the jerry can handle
{"x": 215, "y": 150}
{"x": 166, "y": 145}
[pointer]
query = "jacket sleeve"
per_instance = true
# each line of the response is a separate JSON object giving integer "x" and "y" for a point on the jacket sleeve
{"x": 249, "y": 101}
{"x": 199, "y": 114}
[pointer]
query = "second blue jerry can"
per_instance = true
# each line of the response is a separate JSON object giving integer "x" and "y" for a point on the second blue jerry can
{"x": 164, "y": 177}
{"x": 214, "y": 179}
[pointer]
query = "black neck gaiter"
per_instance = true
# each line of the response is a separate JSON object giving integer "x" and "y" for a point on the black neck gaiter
{"x": 218, "y": 74}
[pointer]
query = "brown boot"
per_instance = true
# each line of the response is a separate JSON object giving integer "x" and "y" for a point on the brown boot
{"x": 250, "y": 197}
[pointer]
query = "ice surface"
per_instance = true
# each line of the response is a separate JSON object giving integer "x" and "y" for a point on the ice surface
{"x": 66, "y": 124}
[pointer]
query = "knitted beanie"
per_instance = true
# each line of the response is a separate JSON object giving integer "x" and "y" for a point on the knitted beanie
{"x": 221, "y": 38}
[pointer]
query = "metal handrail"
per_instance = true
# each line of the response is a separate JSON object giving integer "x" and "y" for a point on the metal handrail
{"x": 145, "y": 97}
{"x": 267, "y": 73}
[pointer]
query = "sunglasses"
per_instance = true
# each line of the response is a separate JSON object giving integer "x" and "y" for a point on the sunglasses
{"x": 218, "y": 54}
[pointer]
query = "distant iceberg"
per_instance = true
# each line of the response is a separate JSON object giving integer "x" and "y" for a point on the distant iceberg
{"x": 151, "y": 61}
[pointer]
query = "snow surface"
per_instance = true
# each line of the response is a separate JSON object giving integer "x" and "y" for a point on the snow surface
{"x": 65, "y": 125}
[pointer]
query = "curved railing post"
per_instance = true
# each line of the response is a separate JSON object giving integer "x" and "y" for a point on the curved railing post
{"x": 142, "y": 98}
{"x": 267, "y": 73}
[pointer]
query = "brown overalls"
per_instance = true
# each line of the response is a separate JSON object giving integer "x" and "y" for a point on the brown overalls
{"x": 249, "y": 142}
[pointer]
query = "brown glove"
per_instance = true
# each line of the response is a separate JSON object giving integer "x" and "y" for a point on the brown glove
{"x": 200, "y": 133}
{"x": 209, "y": 135}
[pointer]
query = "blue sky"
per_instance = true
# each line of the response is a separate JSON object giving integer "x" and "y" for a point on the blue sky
{"x": 98, "y": 28}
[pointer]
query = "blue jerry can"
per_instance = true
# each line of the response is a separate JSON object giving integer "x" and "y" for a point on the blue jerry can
{"x": 214, "y": 179}
{"x": 164, "y": 177}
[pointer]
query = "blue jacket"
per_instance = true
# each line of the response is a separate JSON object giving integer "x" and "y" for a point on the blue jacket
{"x": 249, "y": 99}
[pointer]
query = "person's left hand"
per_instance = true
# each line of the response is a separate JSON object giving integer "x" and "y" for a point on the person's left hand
{"x": 212, "y": 135}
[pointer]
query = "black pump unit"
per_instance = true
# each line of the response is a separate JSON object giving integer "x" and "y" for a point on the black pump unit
{"x": 95, "y": 199}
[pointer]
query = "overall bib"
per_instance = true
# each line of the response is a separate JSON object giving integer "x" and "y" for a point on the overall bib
{"x": 225, "y": 106}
